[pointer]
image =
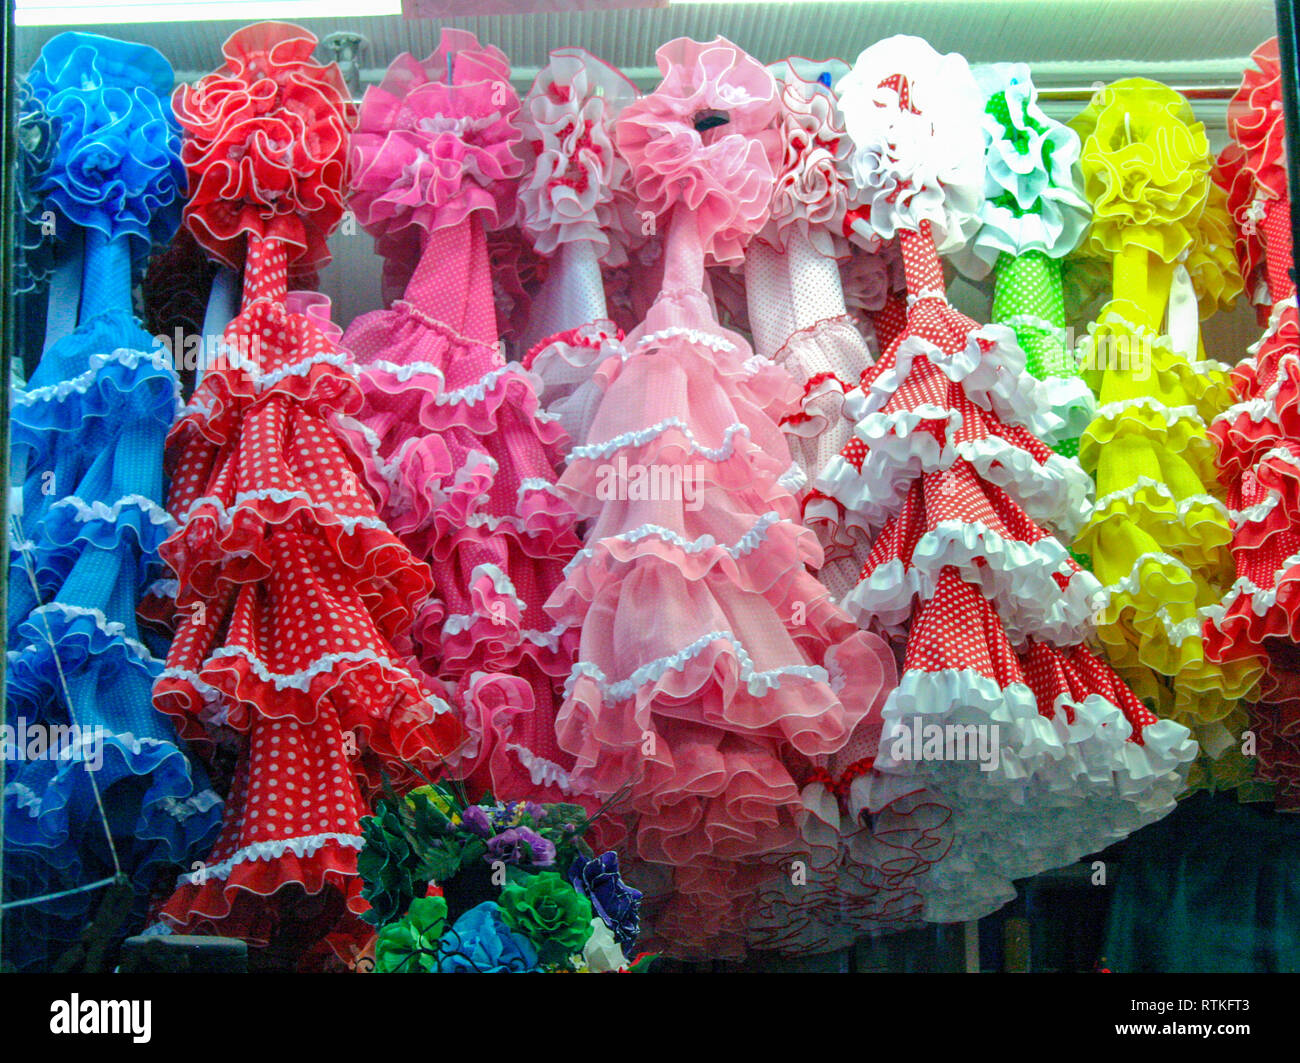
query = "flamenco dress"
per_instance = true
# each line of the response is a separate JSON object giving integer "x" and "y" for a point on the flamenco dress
{"x": 1259, "y": 435}
{"x": 459, "y": 455}
{"x": 1034, "y": 214}
{"x": 1158, "y": 536}
{"x": 294, "y": 600}
{"x": 864, "y": 869}
{"x": 119, "y": 796}
{"x": 577, "y": 210}
{"x": 692, "y": 711}
{"x": 948, "y": 471}
{"x": 796, "y": 309}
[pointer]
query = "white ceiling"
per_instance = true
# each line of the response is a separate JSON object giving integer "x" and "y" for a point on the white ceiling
{"x": 1128, "y": 36}
{"x": 1068, "y": 43}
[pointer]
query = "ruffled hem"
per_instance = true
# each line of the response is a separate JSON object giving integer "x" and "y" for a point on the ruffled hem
{"x": 413, "y": 725}
{"x": 229, "y": 897}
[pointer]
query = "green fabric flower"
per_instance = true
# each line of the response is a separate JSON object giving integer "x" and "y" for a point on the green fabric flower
{"x": 554, "y": 916}
{"x": 411, "y": 944}
{"x": 388, "y": 865}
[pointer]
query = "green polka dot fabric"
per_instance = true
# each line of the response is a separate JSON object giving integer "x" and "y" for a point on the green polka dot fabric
{"x": 1027, "y": 295}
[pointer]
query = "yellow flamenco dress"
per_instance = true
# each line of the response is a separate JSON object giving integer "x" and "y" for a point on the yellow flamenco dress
{"x": 1159, "y": 533}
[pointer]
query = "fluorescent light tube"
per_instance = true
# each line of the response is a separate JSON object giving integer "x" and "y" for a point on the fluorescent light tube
{"x": 88, "y": 13}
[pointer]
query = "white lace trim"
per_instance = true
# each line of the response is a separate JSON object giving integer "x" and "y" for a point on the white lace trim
{"x": 164, "y": 588}
{"x": 301, "y": 679}
{"x": 100, "y": 511}
{"x": 273, "y": 850}
{"x": 1033, "y": 321}
{"x": 543, "y": 772}
{"x": 704, "y": 339}
{"x": 110, "y": 628}
{"x": 534, "y": 484}
{"x": 639, "y": 437}
{"x": 1144, "y": 483}
{"x": 757, "y": 682}
{"x": 746, "y": 544}
{"x": 1176, "y": 631}
{"x": 224, "y": 517}
{"x": 1171, "y": 414}
{"x": 82, "y": 382}
{"x": 1262, "y": 599}
{"x": 1264, "y": 405}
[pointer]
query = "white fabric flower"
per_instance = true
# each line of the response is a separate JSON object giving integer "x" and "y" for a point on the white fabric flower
{"x": 916, "y": 123}
{"x": 602, "y": 954}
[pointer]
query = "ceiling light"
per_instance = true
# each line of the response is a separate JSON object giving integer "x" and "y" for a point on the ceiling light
{"x": 89, "y": 13}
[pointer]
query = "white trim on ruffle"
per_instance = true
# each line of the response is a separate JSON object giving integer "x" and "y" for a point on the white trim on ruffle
{"x": 639, "y": 437}
{"x": 747, "y": 543}
{"x": 757, "y": 682}
{"x": 82, "y": 382}
{"x": 307, "y": 845}
{"x": 1145, "y": 483}
{"x": 1176, "y": 631}
{"x": 275, "y": 494}
{"x": 98, "y": 510}
{"x": 109, "y": 628}
{"x": 1262, "y": 599}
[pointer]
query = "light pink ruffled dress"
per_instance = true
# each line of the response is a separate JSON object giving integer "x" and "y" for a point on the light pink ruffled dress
{"x": 461, "y": 459}
{"x": 713, "y": 667}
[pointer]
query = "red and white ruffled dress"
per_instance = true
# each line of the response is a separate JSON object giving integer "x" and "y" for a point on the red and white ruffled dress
{"x": 795, "y": 300}
{"x": 1041, "y": 752}
{"x": 294, "y": 598}
{"x": 460, "y": 456}
{"x": 576, "y": 208}
{"x": 1259, "y": 436}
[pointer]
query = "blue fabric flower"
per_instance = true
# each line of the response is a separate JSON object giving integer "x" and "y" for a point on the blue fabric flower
{"x": 481, "y": 943}
{"x": 616, "y": 903}
{"x": 116, "y": 166}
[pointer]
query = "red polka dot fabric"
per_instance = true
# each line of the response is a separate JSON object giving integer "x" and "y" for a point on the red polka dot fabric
{"x": 293, "y": 610}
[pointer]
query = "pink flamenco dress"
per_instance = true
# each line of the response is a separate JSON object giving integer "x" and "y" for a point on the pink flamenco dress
{"x": 713, "y": 668}
{"x": 461, "y": 458}
{"x": 577, "y": 210}
{"x": 1258, "y": 620}
{"x": 948, "y": 472}
{"x": 293, "y": 598}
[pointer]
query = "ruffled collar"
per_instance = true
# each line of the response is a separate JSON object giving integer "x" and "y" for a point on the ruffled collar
{"x": 811, "y": 191}
{"x": 575, "y": 184}
{"x": 706, "y": 138}
{"x": 914, "y": 117}
{"x": 1032, "y": 186}
{"x": 266, "y": 146}
{"x": 1255, "y": 120}
{"x": 115, "y": 167}
{"x": 1146, "y": 164}
{"x": 436, "y": 143}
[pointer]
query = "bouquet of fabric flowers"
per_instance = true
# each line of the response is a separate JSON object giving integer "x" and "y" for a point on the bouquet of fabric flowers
{"x": 488, "y": 887}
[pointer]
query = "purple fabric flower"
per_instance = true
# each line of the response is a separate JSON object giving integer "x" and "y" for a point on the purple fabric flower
{"x": 616, "y": 903}
{"x": 519, "y": 845}
{"x": 475, "y": 820}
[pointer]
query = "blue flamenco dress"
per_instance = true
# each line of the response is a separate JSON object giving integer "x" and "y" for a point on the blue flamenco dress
{"x": 86, "y": 755}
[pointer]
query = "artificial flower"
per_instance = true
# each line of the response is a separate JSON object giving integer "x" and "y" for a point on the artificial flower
{"x": 554, "y": 916}
{"x": 480, "y": 942}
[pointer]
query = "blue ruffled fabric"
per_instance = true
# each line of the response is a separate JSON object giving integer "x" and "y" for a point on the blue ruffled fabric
{"x": 116, "y": 166}
{"x": 33, "y": 258}
{"x": 88, "y": 431}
